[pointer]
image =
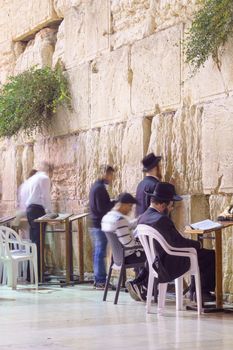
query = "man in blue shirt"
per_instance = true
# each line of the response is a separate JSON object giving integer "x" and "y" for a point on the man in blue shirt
{"x": 100, "y": 204}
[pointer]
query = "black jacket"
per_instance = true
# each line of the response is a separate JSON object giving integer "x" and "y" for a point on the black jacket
{"x": 99, "y": 202}
{"x": 169, "y": 266}
{"x": 148, "y": 184}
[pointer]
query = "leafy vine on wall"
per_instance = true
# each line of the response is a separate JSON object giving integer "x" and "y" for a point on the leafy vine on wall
{"x": 29, "y": 100}
{"x": 211, "y": 28}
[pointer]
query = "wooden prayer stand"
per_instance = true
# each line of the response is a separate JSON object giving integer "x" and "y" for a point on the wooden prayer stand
{"x": 66, "y": 220}
{"x": 203, "y": 234}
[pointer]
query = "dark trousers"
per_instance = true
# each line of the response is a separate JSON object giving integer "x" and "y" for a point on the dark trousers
{"x": 206, "y": 262}
{"x": 34, "y": 211}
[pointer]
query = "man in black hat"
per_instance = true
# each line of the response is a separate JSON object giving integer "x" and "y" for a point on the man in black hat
{"x": 152, "y": 170}
{"x": 171, "y": 267}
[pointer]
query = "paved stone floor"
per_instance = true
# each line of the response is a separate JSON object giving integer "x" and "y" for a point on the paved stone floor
{"x": 76, "y": 318}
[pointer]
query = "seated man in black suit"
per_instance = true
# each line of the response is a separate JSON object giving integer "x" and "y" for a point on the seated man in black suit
{"x": 171, "y": 267}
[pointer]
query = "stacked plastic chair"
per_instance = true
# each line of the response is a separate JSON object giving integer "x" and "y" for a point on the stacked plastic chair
{"x": 13, "y": 252}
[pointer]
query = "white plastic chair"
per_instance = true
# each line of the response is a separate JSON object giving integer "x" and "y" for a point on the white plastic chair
{"x": 13, "y": 251}
{"x": 147, "y": 236}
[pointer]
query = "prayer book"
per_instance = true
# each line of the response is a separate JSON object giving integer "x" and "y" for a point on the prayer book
{"x": 205, "y": 225}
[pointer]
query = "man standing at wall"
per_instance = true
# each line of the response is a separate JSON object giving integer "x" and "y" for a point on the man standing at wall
{"x": 100, "y": 204}
{"x": 151, "y": 167}
{"x": 38, "y": 202}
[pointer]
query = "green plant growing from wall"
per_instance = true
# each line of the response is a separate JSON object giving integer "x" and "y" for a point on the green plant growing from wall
{"x": 29, "y": 100}
{"x": 210, "y": 29}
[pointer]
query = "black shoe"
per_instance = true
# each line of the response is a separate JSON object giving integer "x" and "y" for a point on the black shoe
{"x": 132, "y": 289}
{"x": 207, "y": 296}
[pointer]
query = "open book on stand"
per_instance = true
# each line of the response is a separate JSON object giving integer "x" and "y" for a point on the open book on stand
{"x": 206, "y": 225}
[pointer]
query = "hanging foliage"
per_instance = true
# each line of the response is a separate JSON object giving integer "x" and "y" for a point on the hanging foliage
{"x": 210, "y": 29}
{"x": 29, "y": 100}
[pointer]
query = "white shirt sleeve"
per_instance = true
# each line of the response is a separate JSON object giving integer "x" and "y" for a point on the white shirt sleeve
{"x": 123, "y": 233}
{"x": 45, "y": 190}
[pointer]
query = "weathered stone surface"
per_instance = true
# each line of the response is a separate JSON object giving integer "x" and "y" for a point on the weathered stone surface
{"x": 38, "y": 52}
{"x": 131, "y": 21}
{"x": 8, "y": 177}
{"x": 133, "y": 150}
{"x": 217, "y": 204}
{"x": 158, "y": 83}
{"x": 97, "y": 26}
{"x": 217, "y": 146}
{"x": 30, "y": 16}
{"x": 59, "y": 50}
{"x": 177, "y": 137}
{"x": 170, "y": 12}
{"x": 61, "y": 6}
{"x": 7, "y": 60}
{"x": 74, "y": 23}
{"x": 211, "y": 81}
{"x": 191, "y": 209}
{"x": 86, "y": 31}
{"x": 110, "y": 89}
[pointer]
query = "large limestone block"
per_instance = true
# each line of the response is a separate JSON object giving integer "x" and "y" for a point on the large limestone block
{"x": 217, "y": 143}
{"x": 110, "y": 152}
{"x": 79, "y": 85}
{"x": 27, "y": 160}
{"x": 217, "y": 204}
{"x": 155, "y": 63}
{"x": 177, "y": 137}
{"x": 62, "y": 6}
{"x": 29, "y": 16}
{"x": 8, "y": 177}
{"x": 131, "y": 21}
{"x": 38, "y": 52}
{"x": 110, "y": 89}
{"x": 7, "y": 60}
{"x": 170, "y": 12}
{"x": 191, "y": 209}
{"x": 211, "y": 81}
{"x": 86, "y": 31}
{"x": 133, "y": 150}
{"x": 67, "y": 121}
{"x": 5, "y": 27}
{"x": 97, "y": 26}
{"x": 59, "y": 50}
{"x": 74, "y": 23}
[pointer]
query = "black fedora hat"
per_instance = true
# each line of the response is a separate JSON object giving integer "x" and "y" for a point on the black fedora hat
{"x": 126, "y": 198}
{"x": 164, "y": 191}
{"x": 150, "y": 161}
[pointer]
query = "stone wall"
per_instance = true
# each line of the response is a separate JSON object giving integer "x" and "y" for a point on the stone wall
{"x": 132, "y": 93}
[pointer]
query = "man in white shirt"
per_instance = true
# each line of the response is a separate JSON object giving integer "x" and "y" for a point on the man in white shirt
{"x": 38, "y": 202}
{"x": 117, "y": 222}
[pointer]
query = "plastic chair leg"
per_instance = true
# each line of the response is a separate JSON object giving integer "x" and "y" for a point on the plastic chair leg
{"x": 107, "y": 283}
{"x": 119, "y": 285}
{"x": 149, "y": 293}
{"x": 162, "y": 296}
{"x": 15, "y": 267}
{"x": 179, "y": 293}
{"x": 32, "y": 269}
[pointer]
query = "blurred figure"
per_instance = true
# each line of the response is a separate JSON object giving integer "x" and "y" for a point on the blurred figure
{"x": 38, "y": 201}
{"x": 100, "y": 204}
{"x": 22, "y": 197}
